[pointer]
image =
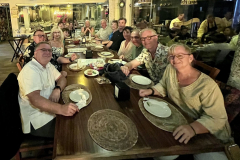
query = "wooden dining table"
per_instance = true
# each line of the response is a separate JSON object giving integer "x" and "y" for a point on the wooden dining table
{"x": 73, "y": 141}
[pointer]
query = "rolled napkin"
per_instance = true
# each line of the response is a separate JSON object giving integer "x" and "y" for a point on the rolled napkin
{"x": 82, "y": 103}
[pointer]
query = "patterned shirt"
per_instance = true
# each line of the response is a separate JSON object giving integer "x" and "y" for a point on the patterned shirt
{"x": 29, "y": 53}
{"x": 157, "y": 66}
{"x": 57, "y": 52}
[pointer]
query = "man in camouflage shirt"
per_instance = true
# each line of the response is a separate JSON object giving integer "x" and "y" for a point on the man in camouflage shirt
{"x": 154, "y": 56}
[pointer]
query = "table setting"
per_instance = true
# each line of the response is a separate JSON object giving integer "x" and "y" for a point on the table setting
{"x": 161, "y": 113}
{"x": 78, "y": 94}
{"x": 106, "y": 54}
{"x": 138, "y": 82}
{"x": 110, "y": 128}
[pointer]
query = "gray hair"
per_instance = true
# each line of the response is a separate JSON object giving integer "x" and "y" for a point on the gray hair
{"x": 40, "y": 43}
{"x": 172, "y": 48}
{"x": 148, "y": 29}
{"x": 136, "y": 31}
{"x": 104, "y": 20}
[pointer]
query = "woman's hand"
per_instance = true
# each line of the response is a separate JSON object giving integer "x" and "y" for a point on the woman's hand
{"x": 184, "y": 133}
{"x": 145, "y": 92}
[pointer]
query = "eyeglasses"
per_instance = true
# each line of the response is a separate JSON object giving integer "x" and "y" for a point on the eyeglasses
{"x": 148, "y": 37}
{"x": 135, "y": 37}
{"x": 45, "y": 50}
{"x": 40, "y": 36}
{"x": 179, "y": 56}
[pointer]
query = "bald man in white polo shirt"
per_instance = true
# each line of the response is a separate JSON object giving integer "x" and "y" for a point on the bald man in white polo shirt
{"x": 38, "y": 95}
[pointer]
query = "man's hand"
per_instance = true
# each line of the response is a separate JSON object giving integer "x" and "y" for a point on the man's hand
{"x": 121, "y": 57}
{"x": 125, "y": 70}
{"x": 73, "y": 56}
{"x": 145, "y": 92}
{"x": 54, "y": 97}
{"x": 184, "y": 133}
{"x": 69, "y": 109}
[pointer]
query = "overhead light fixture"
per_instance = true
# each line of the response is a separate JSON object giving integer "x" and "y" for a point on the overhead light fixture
{"x": 188, "y": 2}
{"x": 122, "y": 4}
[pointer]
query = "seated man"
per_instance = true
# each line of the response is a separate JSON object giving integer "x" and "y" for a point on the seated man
{"x": 104, "y": 32}
{"x": 117, "y": 37}
{"x": 183, "y": 35}
{"x": 174, "y": 26}
{"x": 210, "y": 25}
{"x": 154, "y": 56}
{"x": 38, "y": 36}
{"x": 138, "y": 47}
{"x": 38, "y": 95}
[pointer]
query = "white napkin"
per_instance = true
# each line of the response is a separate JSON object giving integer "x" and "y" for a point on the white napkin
{"x": 79, "y": 63}
{"x": 82, "y": 103}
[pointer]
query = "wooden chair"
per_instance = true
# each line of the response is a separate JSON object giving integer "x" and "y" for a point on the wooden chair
{"x": 213, "y": 72}
{"x": 33, "y": 143}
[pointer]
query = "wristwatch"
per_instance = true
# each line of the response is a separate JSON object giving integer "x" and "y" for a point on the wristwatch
{"x": 70, "y": 59}
{"x": 152, "y": 91}
{"x": 58, "y": 87}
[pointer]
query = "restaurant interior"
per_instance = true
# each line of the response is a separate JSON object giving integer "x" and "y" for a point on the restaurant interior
{"x": 121, "y": 106}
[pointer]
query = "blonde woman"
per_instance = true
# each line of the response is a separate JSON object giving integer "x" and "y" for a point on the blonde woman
{"x": 196, "y": 94}
{"x": 56, "y": 41}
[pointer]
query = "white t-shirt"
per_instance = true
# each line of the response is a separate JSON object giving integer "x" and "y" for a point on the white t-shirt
{"x": 35, "y": 77}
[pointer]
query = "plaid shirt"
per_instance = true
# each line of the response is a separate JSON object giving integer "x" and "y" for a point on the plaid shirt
{"x": 157, "y": 66}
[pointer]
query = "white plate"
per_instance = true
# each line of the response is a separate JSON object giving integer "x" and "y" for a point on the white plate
{"x": 71, "y": 45}
{"x": 94, "y": 41}
{"x": 141, "y": 80}
{"x": 159, "y": 109}
{"x": 95, "y": 72}
{"x": 73, "y": 66}
{"x": 106, "y": 53}
{"x": 76, "y": 95}
{"x": 68, "y": 39}
{"x": 98, "y": 47}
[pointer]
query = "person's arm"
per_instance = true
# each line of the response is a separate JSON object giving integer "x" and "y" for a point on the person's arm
{"x": 160, "y": 89}
{"x": 201, "y": 29}
{"x": 55, "y": 95}
{"x": 48, "y": 106}
{"x": 62, "y": 60}
{"x": 92, "y": 31}
{"x": 129, "y": 66}
{"x": 109, "y": 44}
{"x": 213, "y": 118}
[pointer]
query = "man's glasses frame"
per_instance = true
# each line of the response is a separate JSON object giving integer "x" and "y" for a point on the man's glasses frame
{"x": 40, "y": 36}
{"x": 45, "y": 50}
{"x": 148, "y": 37}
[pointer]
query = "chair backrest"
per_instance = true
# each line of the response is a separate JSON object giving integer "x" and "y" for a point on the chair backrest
{"x": 11, "y": 128}
{"x": 212, "y": 71}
